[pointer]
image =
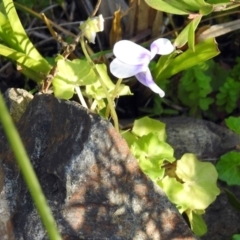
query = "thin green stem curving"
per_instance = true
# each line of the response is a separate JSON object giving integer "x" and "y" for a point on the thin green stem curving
{"x": 28, "y": 172}
{"x": 114, "y": 94}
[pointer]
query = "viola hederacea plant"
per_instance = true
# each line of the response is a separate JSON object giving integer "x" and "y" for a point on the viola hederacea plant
{"x": 133, "y": 60}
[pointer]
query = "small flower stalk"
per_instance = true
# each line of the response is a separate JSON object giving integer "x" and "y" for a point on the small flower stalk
{"x": 133, "y": 60}
{"x": 91, "y": 27}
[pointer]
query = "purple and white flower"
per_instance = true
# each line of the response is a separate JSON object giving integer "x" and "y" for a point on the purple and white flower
{"x": 133, "y": 60}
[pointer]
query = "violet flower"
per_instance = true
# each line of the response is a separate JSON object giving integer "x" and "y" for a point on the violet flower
{"x": 133, "y": 60}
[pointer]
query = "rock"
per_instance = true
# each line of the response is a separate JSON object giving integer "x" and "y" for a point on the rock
{"x": 92, "y": 182}
{"x": 221, "y": 218}
{"x": 17, "y": 101}
{"x": 207, "y": 140}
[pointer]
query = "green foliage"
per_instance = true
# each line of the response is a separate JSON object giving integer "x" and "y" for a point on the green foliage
{"x": 71, "y": 74}
{"x": 236, "y": 69}
{"x": 168, "y": 66}
{"x": 188, "y": 183}
{"x": 17, "y": 45}
{"x": 233, "y": 123}
{"x": 35, "y": 3}
{"x": 208, "y": 84}
{"x": 187, "y": 35}
{"x": 182, "y": 7}
{"x": 236, "y": 237}
{"x": 228, "y": 168}
{"x": 150, "y": 147}
{"x": 235, "y": 203}
{"x": 146, "y": 125}
{"x": 152, "y": 153}
{"x": 197, "y": 188}
{"x": 188, "y": 7}
{"x": 199, "y": 182}
{"x": 196, "y": 222}
{"x": 194, "y": 89}
{"x": 96, "y": 91}
{"x": 228, "y": 95}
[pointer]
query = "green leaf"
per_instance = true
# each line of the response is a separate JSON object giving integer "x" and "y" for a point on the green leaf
{"x": 149, "y": 146}
{"x": 194, "y": 87}
{"x": 30, "y": 74}
{"x": 235, "y": 203}
{"x": 203, "y": 51}
{"x": 228, "y": 168}
{"x": 175, "y": 192}
{"x": 172, "y": 6}
{"x": 7, "y": 34}
{"x": 163, "y": 62}
{"x": 71, "y": 74}
{"x": 182, "y": 38}
{"x": 151, "y": 153}
{"x": 31, "y": 68}
{"x": 62, "y": 89}
{"x": 18, "y": 34}
{"x": 217, "y": 1}
{"x": 181, "y": 7}
{"x": 23, "y": 59}
{"x": 236, "y": 237}
{"x": 228, "y": 95}
{"x": 198, "y": 189}
{"x": 197, "y": 223}
{"x": 191, "y": 33}
{"x": 152, "y": 168}
{"x": 199, "y": 178}
{"x": 206, "y": 10}
{"x": 233, "y": 123}
{"x": 205, "y": 102}
{"x": 146, "y": 125}
{"x": 129, "y": 137}
{"x": 76, "y": 72}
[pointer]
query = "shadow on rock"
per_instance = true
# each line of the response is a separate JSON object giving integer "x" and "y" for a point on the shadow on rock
{"x": 92, "y": 182}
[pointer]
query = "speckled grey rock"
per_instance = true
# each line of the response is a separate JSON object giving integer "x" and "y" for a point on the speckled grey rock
{"x": 17, "y": 101}
{"x": 207, "y": 140}
{"x": 221, "y": 218}
{"x": 92, "y": 182}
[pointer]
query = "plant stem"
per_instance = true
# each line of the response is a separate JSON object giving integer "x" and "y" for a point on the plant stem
{"x": 113, "y": 112}
{"x": 28, "y": 172}
{"x": 114, "y": 94}
{"x": 80, "y": 96}
{"x": 94, "y": 105}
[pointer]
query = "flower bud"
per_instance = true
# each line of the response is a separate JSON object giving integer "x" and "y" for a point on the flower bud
{"x": 91, "y": 27}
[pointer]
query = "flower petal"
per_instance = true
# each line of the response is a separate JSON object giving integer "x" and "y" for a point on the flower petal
{"x": 90, "y": 35}
{"x": 161, "y": 46}
{"x": 99, "y": 23}
{"x": 131, "y": 53}
{"x": 146, "y": 79}
{"x": 123, "y": 70}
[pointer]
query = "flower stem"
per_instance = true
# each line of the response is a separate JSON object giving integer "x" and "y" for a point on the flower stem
{"x": 113, "y": 112}
{"x": 80, "y": 96}
{"x": 114, "y": 94}
{"x": 28, "y": 172}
